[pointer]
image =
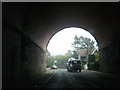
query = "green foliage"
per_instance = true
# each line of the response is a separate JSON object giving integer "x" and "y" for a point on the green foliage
{"x": 94, "y": 65}
{"x": 49, "y": 61}
{"x": 61, "y": 60}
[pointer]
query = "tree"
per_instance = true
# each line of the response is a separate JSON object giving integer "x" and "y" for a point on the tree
{"x": 83, "y": 43}
{"x": 93, "y": 63}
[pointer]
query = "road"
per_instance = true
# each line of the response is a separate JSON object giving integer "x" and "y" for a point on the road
{"x": 61, "y": 78}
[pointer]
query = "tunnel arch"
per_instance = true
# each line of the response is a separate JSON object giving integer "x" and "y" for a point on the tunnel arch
{"x": 75, "y": 28}
{"x": 28, "y": 27}
{"x": 61, "y": 15}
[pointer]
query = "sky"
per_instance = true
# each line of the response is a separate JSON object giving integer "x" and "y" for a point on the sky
{"x": 62, "y": 41}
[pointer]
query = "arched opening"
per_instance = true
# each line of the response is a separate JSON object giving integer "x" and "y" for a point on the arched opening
{"x": 27, "y": 30}
{"x": 72, "y": 42}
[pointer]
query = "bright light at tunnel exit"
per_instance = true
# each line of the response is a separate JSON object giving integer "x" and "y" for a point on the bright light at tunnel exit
{"x": 62, "y": 41}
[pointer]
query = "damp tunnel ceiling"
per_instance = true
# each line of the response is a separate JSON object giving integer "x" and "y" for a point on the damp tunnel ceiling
{"x": 40, "y": 21}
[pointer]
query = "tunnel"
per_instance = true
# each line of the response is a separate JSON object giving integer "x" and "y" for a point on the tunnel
{"x": 28, "y": 27}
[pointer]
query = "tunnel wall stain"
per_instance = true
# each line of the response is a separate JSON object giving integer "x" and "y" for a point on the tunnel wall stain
{"x": 22, "y": 59}
{"x": 110, "y": 56}
{"x": 33, "y": 57}
{"x": 11, "y": 56}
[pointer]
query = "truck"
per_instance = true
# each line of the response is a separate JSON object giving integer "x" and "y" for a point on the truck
{"x": 73, "y": 65}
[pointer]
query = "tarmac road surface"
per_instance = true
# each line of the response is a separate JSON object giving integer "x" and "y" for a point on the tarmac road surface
{"x": 61, "y": 78}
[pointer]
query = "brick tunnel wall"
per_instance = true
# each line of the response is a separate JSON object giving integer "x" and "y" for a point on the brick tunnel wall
{"x": 11, "y": 56}
{"x": 22, "y": 58}
{"x": 33, "y": 57}
{"x": 109, "y": 56}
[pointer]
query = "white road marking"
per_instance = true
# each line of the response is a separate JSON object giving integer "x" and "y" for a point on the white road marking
{"x": 50, "y": 77}
{"x": 92, "y": 84}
